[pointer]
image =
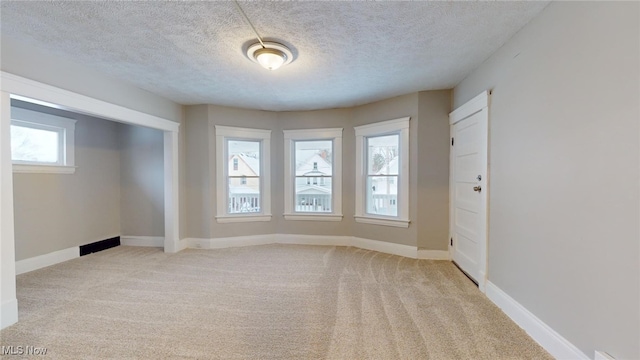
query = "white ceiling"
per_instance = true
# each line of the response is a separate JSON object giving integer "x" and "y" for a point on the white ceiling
{"x": 346, "y": 53}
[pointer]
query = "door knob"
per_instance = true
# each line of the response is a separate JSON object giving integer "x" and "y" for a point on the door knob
{"x": 477, "y": 188}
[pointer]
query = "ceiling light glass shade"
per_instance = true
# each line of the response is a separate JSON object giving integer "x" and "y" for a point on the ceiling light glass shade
{"x": 270, "y": 55}
{"x": 270, "y": 59}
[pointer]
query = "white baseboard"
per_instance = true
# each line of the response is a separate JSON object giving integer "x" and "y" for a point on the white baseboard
{"x": 385, "y": 247}
{"x": 39, "y": 262}
{"x": 240, "y": 241}
{"x": 8, "y": 313}
{"x": 434, "y": 254}
{"x": 184, "y": 243}
{"x": 549, "y": 339}
{"x": 482, "y": 282}
{"x": 296, "y": 239}
{"x": 56, "y": 257}
{"x": 192, "y": 243}
{"x": 228, "y": 242}
{"x": 149, "y": 241}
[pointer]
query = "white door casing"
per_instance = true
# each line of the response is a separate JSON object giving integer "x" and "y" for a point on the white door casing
{"x": 468, "y": 187}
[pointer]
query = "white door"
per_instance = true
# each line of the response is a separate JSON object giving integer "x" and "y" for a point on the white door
{"x": 468, "y": 188}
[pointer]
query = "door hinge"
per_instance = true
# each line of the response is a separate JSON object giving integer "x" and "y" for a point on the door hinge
{"x": 451, "y": 141}
{"x": 451, "y": 242}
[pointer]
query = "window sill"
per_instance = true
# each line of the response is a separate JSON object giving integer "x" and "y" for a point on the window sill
{"x": 43, "y": 169}
{"x": 242, "y": 218}
{"x": 313, "y": 217}
{"x": 403, "y": 223}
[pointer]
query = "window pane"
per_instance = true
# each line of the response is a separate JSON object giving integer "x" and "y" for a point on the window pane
{"x": 382, "y": 155}
{"x": 244, "y": 198}
{"x": 313, "y": 175}
{"x": 382, "y": 195}
{"x": 243, "y": 176}
{"x": 313, "y": 198}
{"x": 34, "y": 145}
{"x": 246, "y": 155}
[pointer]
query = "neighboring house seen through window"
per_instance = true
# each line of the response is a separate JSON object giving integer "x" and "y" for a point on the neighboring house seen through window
{"x": 309, "y": 195}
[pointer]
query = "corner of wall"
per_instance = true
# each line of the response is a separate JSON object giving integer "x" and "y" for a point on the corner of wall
{"x": 433, "y": 169}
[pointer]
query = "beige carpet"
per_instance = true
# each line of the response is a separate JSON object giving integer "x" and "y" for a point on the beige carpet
{"x": 261, "y": 302}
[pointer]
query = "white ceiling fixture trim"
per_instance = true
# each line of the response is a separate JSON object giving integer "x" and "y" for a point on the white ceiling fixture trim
{"x": 270, "y": 55}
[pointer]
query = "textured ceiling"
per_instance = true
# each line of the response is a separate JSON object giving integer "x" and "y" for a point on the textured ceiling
{"x": 346, "y": 53}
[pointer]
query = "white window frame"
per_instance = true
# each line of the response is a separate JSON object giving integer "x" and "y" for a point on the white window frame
{"x": 290, "y": 137}
{"x": 65, "y": 128}
{"x": 397, "y": 126}
{"x": 223, "y": 133}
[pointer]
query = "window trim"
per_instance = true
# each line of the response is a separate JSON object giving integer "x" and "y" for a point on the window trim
{"x": 236, "y": 133}
{"x": 396, "y": 126}
{"x": 290, "y": 136}
{"x": 43, "y": 121}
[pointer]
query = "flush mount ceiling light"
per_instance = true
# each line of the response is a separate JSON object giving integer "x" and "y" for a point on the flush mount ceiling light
{"x": 270, "y": 55}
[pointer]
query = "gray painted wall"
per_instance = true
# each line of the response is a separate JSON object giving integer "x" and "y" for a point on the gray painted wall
{"x": 141, "y": 181}
{"x": 429, "y": 170}
{"x": 182, "y": 169}
{"x": 55, "y": 211}
{"x": 432, "y": 217}
{"x": 32, "y": 63}
{"x": 198, "y": 183}
{"x": 564, "y": 156}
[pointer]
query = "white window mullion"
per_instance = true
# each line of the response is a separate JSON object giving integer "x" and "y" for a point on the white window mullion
{"x": 221, "y": 174}
{"x": 289, "y": 176}
{"x": 62, "y": 147}
{"x": 403, "y": 181}
{"x": 336, "y": 181}
{"x": 360, "y": 174}
{"x": 265, "y": 175}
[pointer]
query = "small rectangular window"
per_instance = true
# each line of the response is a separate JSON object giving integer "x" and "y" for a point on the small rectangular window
{"x": 41, "y": 142}
{"x": 33, "y": 144}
